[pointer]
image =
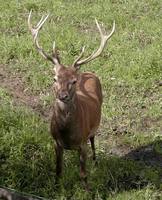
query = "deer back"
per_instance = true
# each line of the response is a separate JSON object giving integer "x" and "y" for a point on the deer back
{"x": 89, "y": 101}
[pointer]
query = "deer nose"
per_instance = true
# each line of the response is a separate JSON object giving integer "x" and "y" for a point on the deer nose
{"x": 63, "y": 96}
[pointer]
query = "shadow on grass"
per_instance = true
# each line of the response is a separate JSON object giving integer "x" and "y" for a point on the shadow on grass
{"x": 137, "y": 169}
{"x": 111, "y": 175}
{"x": 151, "y": 154}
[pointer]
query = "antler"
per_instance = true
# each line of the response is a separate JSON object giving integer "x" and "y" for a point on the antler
{"x": 34, "y": 31}
{"x": 104, "y": 39}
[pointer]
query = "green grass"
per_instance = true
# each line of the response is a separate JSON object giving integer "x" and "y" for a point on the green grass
{"x": 130, "y": 70}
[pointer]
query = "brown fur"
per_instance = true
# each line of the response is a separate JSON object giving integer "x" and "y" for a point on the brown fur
{"x": 75, "y": 122}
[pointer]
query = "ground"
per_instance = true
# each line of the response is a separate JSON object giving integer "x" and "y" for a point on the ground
{"x": 129, "y": 145}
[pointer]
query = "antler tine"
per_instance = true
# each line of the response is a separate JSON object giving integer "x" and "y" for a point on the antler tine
{"x": 54, "y": 47}
{"x": 55, "y": 54}
{"x": 79, "y": 57}
{"x": 112, "y": 31}
{"x": 34, "y": 32}
{"x": 99, "y": 28}
{"x": 97, "y": 53}
{"x": 29, "y": 19}
{"x": 41, "y": 22}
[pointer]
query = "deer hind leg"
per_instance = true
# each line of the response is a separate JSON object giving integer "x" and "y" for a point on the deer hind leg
{"x": 59, "y": 160}
{"x": 93, "y": 147}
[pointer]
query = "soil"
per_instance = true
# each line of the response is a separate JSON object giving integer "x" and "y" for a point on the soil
{"x": 21, "y": 94}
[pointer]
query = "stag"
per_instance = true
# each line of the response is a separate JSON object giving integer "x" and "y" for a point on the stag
{"x": 77, "y": 109}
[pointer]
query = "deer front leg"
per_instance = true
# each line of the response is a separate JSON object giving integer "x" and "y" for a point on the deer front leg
{"x": 59, "y": 160}
{"x": 83, "y": 157}
{"x": 93, "y": 148}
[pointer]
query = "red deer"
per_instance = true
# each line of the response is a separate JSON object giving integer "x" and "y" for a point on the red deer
{"x": 77, "y": 110}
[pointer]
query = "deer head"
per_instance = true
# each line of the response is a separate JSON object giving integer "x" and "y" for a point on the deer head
{"x": 66, "y": 77}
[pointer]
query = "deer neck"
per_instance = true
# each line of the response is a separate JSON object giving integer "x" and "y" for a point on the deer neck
{"x": 65, "y": 112}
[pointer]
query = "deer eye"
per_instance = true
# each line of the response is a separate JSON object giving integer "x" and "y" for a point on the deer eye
{"x": 55, "y": 79}
{"x": 74, "y": 81}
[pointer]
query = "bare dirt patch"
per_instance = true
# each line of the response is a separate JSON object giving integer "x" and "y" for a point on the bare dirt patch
{"x": 21, "y": 94}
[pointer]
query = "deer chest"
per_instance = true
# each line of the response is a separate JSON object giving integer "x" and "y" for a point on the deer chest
{"x": 69, "y": 138}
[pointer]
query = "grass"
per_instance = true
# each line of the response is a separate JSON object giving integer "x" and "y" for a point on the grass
{"x": 130, "y": 70}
